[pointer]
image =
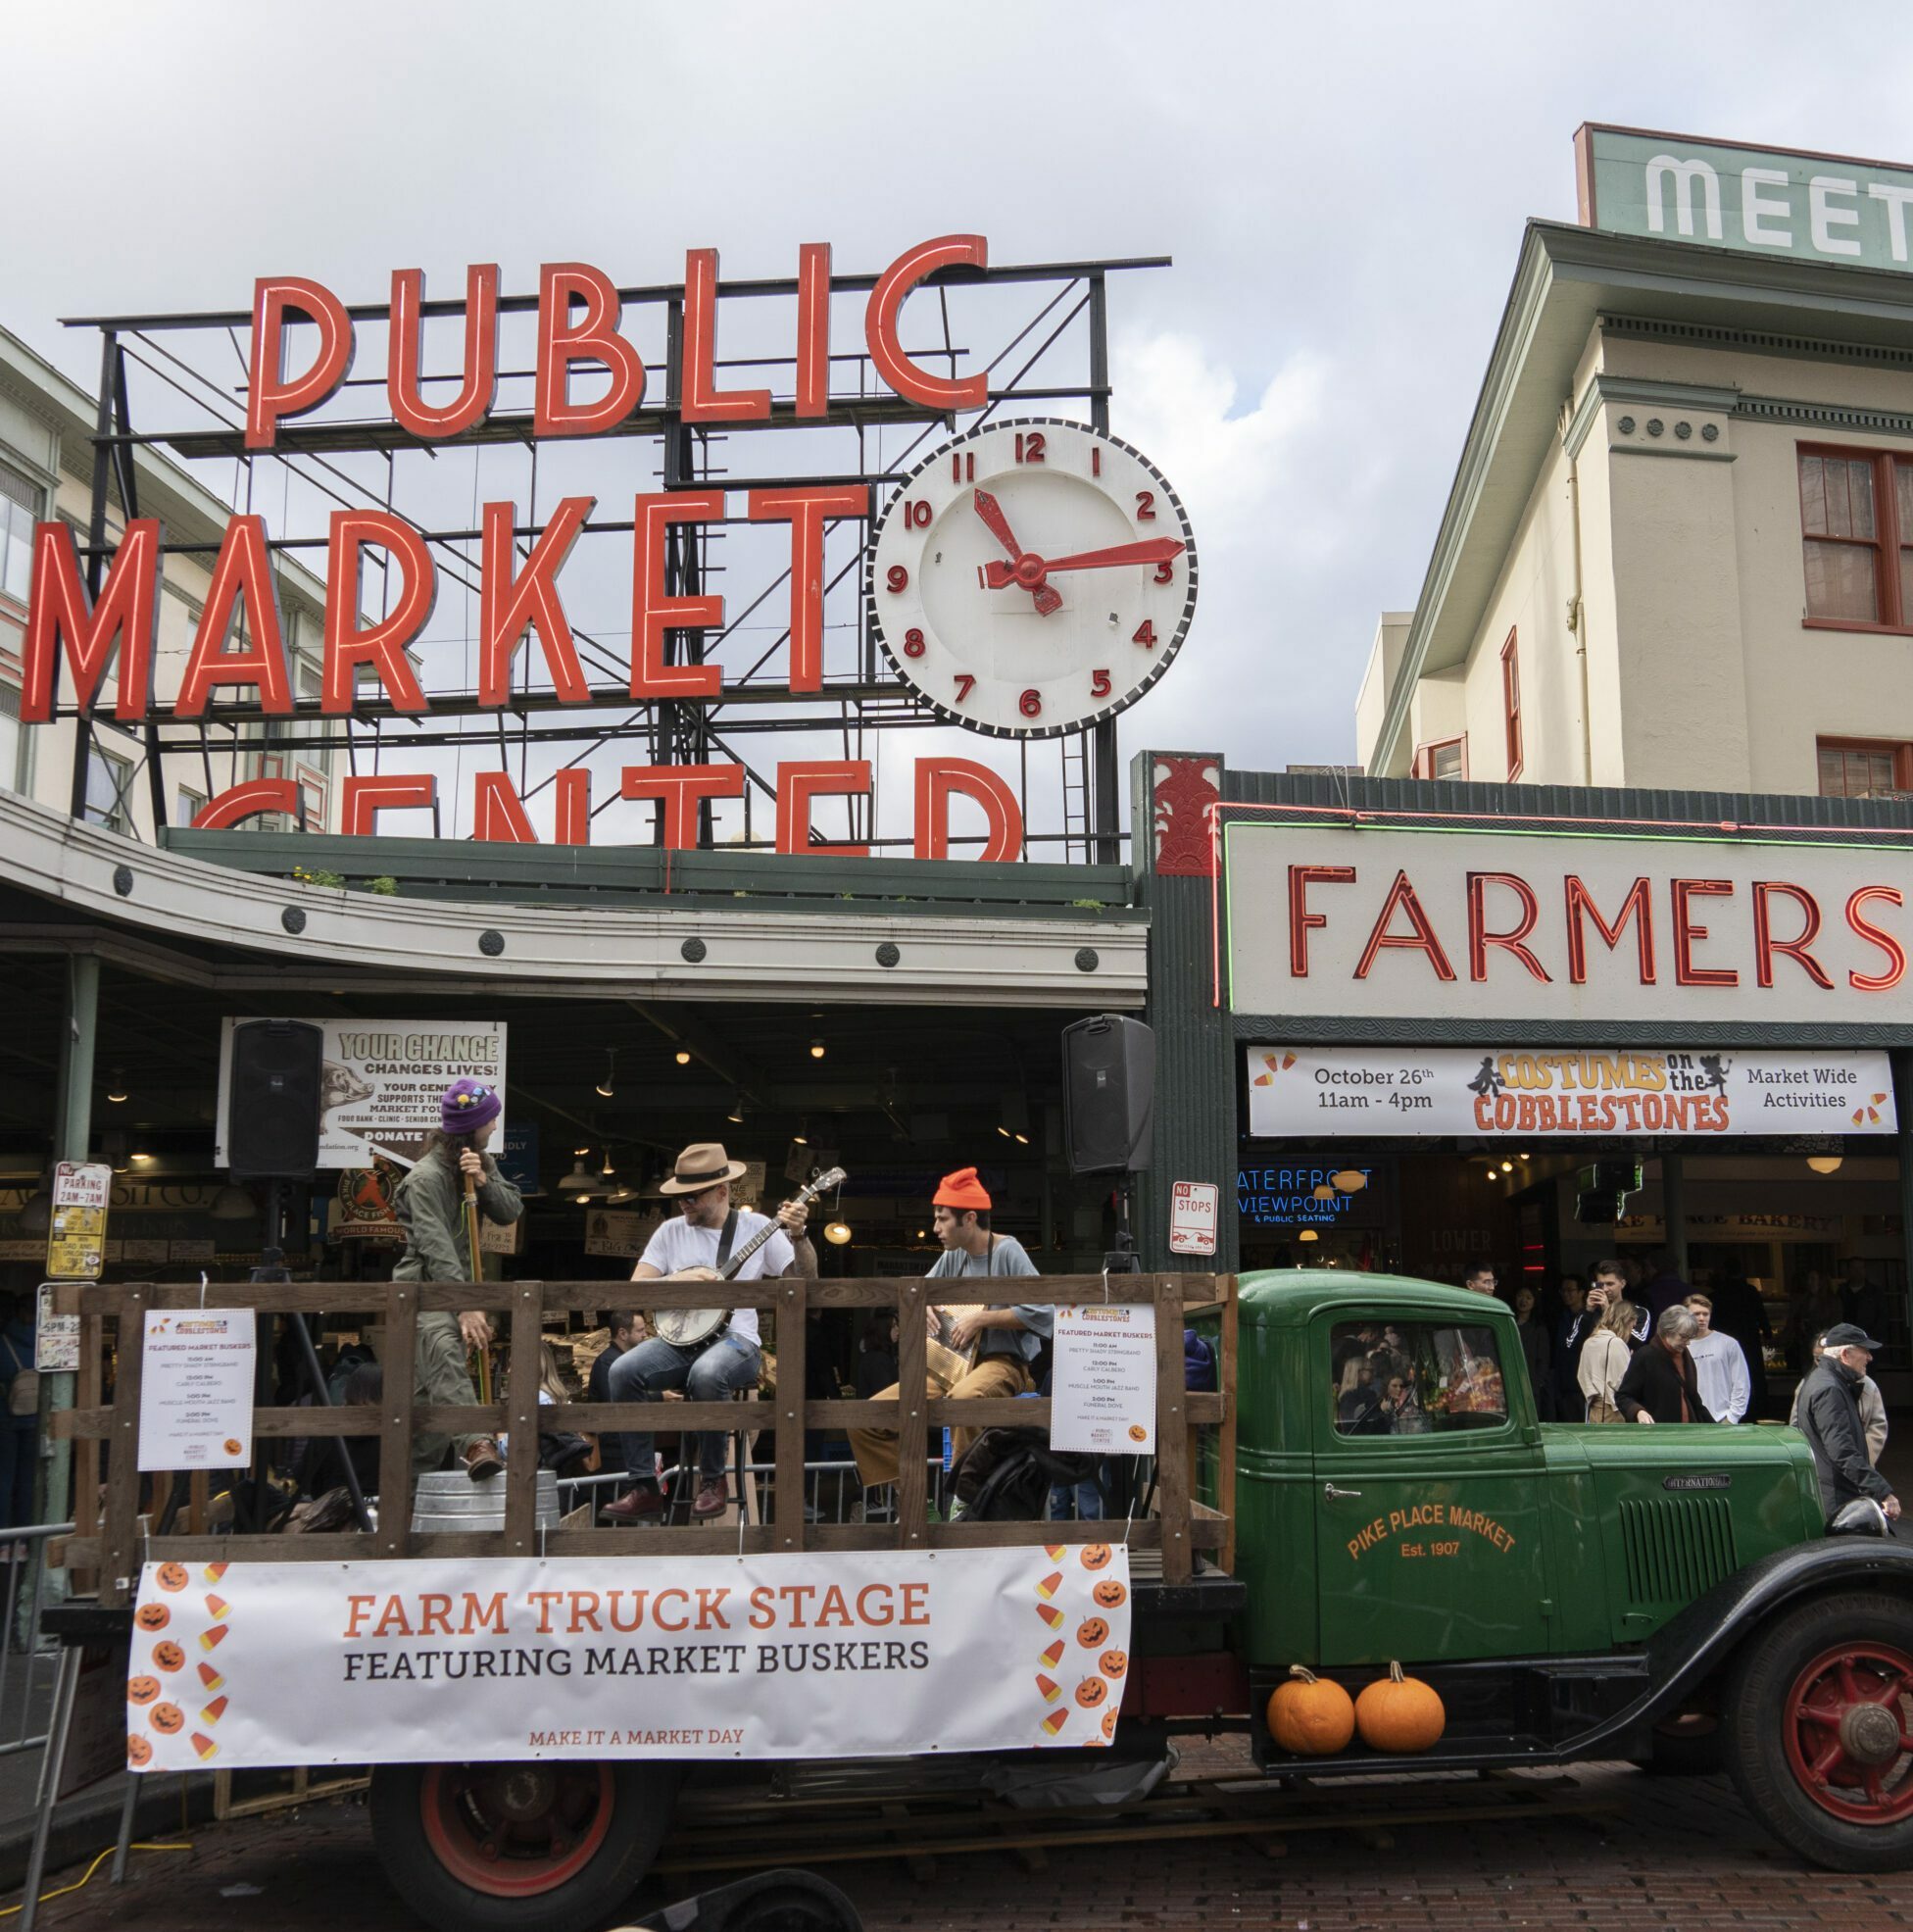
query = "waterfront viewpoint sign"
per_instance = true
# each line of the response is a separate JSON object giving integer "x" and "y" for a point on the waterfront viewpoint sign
{"x": 1764, "y": 201}
{"x": 1647, "y": 927}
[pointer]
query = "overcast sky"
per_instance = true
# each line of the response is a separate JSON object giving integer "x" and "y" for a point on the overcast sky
{"x": 1343, "y": 190}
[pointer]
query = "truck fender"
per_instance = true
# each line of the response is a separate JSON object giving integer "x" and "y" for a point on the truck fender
{"x": 1692, "y": 1645}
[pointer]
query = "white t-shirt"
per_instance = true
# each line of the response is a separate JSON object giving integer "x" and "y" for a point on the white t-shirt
{"x": 678, "y": 1245}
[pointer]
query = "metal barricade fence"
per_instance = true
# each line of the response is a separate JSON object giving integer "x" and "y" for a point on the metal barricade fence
{"x": 28, "y": 1666}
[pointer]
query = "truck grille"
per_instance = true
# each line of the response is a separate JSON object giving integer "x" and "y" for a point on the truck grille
{"x": 1677, "y": 1547}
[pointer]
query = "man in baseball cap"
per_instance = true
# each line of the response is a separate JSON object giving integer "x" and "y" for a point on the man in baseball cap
{"x": 1830, "y": 1419}
{"x": 973, "y": 1351}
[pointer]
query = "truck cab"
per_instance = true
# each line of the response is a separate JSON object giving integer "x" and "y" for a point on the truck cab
{"x": 1571, "y": 1591}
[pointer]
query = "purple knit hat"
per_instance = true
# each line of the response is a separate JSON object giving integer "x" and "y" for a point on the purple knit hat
{"x": 466, "y": 1105}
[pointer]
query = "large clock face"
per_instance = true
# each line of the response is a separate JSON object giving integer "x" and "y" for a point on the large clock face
{"x": 1032, "y": 578}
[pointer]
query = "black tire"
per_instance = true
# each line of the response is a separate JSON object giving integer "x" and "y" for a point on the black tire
{"x": 1755, "y": 1722}
{"x": 1693, "y": 1744}
{"x": 641, "y": 1802}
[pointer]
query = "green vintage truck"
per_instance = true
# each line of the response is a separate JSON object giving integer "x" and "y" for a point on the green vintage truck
{"x": 1667, "y": 1595}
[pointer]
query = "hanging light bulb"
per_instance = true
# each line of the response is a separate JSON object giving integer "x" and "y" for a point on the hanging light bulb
{"x": 608, "y": 1169}
{"x": 736, "y": 1115}
{"x": 578, "y": 1180}
{"x": 1825, "y": 1163}
{"x": 682, "y": 1056}
{"x": 1324, "y": 1191}
{"x": 816, "y": 1049}
{"x": 116, "y": 1088}
{"x": 1308, "y": 1234}
{"x": 1507, "y": 1166}
{"x": 1350, "y": 1180}
{"x": 837, "y": 1233}
{"x": 606, "y": 1086}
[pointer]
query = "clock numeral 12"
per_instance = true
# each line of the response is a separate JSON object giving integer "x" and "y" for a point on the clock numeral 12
{"x": 965, "y": 685}
{"x": 1030, "y": 447}
{"x": 1096, "y": 459}
{"x": 1099, "y": 684}
{"x": 963, "y": 467}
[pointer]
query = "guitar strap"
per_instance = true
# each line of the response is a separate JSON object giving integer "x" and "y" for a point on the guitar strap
{"x": 725, "y": 1239}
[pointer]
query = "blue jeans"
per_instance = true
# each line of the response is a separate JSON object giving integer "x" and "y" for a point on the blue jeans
{"x": 707, "y": 1374}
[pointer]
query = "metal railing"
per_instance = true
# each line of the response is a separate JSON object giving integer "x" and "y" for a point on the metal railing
{"x": 28, "y": 1663}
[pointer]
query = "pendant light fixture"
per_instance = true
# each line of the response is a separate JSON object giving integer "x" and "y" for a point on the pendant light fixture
{"x": 607, "y": 1086}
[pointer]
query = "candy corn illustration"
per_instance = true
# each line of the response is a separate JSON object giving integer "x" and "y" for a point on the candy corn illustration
{"x": 1054, "y": 1551}
{"x": 216, "y": 1607}
{"x": 1049, "y": 1613}
{"x": 213, "y": 1711}
{"x": 212, "y": 1679}
{"x": 213, "y": 1572}
{"x": 217, "y": 1635}
{"x": 1055, "y": 1721}
{"x": 204, "y": 1745}
{"x": 1049, "y": 1584}
{"x": 1054, "y": 1655}
{"x": 1050, "y": 1689}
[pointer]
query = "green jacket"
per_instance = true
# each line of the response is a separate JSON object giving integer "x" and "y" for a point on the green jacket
{"x": 430, "y": 1205}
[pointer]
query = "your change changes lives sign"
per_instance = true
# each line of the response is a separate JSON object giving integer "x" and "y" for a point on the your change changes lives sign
{"x": 873, "y": 1654}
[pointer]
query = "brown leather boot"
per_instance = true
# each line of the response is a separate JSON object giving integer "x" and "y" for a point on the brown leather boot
{"x": 482, "y": 1461}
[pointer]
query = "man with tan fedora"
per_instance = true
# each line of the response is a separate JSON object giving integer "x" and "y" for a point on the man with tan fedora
{"x": 703, "y": 1236}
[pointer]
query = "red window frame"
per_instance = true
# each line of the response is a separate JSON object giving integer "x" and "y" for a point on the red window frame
{"x": 1424, "y": 760}
{"x": 1511, "y": 700}
{"x": 1900, "y": 752}
{"x": 1886, "y": 542}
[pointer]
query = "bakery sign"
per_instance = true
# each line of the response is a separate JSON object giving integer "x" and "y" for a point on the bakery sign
{"x": 1027, "y": 578}
{"x": 1462, "y": 923}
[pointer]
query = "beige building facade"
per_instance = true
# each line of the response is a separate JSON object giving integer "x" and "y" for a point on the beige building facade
{"x": 1679, "y": 548}
{"x": 46, "y": 464}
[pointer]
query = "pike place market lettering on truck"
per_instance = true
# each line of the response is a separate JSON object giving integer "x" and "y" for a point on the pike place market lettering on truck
{"x": 1446, "y": 1526}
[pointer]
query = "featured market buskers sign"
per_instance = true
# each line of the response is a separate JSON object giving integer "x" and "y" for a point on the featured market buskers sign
{"x": 1534, "y": 1093}
{"x": 1497, "y": 925}
{"x": 870, "y": 1655}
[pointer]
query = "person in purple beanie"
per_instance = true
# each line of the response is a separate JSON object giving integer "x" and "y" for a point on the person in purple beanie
{"x": 430, "y": 1205}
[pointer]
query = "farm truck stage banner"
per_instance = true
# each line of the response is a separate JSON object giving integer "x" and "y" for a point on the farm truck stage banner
{"x": 238, "y": 1664}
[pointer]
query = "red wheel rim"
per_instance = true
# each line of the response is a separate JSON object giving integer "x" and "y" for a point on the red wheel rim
{"x": 516, "y": 1830}
{"x": 1849, "y": 1726}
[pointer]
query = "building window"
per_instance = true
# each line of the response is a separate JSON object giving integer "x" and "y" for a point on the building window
{"x": 1856, "y": 526}
{"x": 1863, "y": 768}
{"x": 1442, "y": 758}
{"x": 109, "y": 788}
{"x": 19, "y": 507}
{"x": 13, "y": 742}
{"x": 187, "y": 804}
{"x": 1512, "y": 702}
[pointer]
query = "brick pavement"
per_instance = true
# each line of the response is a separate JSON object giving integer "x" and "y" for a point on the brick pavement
{"x": 1678, "y": 1854}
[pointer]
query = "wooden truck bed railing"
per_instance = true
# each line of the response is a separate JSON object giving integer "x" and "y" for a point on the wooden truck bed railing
{"x": 109, "y": 1541}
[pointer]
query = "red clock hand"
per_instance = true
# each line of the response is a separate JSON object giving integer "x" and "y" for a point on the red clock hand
{"x": 997, "y": 524}
{"x": 1155, "y": 550}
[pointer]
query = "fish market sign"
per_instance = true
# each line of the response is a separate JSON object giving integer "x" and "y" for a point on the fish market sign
{"x": 1764, "y": 201}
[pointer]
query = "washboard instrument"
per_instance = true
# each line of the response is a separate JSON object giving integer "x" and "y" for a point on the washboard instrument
{"x": 690, "y": 1328}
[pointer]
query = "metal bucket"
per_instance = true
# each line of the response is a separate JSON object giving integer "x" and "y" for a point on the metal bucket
{"x": 449, "y": 1500}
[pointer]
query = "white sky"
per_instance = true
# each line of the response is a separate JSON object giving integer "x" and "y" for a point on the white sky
{"x": 1343, "y": 190}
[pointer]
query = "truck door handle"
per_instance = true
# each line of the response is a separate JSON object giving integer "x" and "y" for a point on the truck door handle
{"x": 1331, "y": 1493}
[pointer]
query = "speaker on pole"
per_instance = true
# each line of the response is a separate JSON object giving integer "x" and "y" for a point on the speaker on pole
{"x": 1109, "y": 1095}
{"x": 272, "y": 1107}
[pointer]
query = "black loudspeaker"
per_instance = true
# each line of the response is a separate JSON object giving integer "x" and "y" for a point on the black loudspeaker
{"x": 271, "y": 1115}
{"x": 1109, "y": 1095}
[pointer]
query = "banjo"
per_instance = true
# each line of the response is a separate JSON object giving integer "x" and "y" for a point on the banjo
{"x": 687, "y": 1328}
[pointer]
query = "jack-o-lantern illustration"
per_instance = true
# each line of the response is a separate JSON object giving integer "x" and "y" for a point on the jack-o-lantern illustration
{"x": 1091, "y": 1692}
{"x": 1137, "y": 1432}
{"x": 1096, "y": 1556}
{"x": 1110, "y": 1594}
{"x": 1110, "y": 1722}
{"x": 139, "y": 1752}
{"x": 143, "y": 1690}
{"x": 1113, "y": 1663}
{"x": 168, "y": 1719}
{"x": 153, "y": 1616}
{"x": 1091, "y": 1632}
{"x": 167, "y": 1655}
{"x": 172, "y": 1576}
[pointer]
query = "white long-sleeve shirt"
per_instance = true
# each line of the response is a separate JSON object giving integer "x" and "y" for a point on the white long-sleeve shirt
{"x": 1721, "y": 1363}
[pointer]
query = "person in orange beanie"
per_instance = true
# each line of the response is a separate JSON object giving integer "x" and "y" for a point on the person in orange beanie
{"x": 973, "y": 1351}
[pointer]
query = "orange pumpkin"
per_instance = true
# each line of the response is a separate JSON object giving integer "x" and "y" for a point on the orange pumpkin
{"x": 167, "y": 1655}
{"x": 1095, "y": 1555}
{"x": 172, "y": 1576}
{"x": 1091, "y": 1692}
{"x": 1109, "y": 1723}
{"x": 139, "y": 1752}
{"x": 1091, "y": 1632}
{"x": 1398, "y": 1713}
{"x": 1109, "y": 1592}
{"x": 1113, "y": 1663}
{"x": 1309, "y": 1716}
{"x": 167, "y": 1718}
{"x": 143, "y": 1690}
{"x": 153, "y": 1616}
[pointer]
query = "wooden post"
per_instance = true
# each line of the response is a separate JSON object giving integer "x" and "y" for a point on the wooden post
{"x": 86, "y": 1455}
{"x": 1171, "y": 1436}
{"x": 123, "y": 1467}
{"x": 792, "y": 1340}
{"x": 912, "y": 1429}
{"x": 1225, "y": 1481}
{"x": 395, "y": 1438}
{"x": 521, "y": 1457}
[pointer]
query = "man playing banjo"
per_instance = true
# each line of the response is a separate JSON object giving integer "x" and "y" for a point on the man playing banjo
{"x": 717, "y": 1350}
